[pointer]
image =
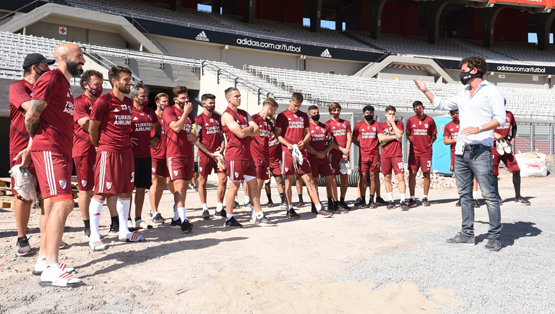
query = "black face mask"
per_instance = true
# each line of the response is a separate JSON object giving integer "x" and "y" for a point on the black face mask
{"x": 369, "y": 117}
{"x": 316, "y": 117}
{"x": 466, "y": 76}
{"x": 41, "y": 71}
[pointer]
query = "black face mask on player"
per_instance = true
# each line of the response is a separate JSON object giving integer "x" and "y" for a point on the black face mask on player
{"x": 369, "y": 117}
{"x": 467, "y": 76}
{"x": 315, "y": 117}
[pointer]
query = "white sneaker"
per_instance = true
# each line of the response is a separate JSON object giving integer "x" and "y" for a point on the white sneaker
{"x": 140, "y": 224}
{"x": 499, "y": 147}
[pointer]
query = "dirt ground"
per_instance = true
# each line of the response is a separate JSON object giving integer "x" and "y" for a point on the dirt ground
{"x": 290, "y": 268}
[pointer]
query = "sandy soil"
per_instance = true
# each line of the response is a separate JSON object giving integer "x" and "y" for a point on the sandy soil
{"x": 290, "y": 268}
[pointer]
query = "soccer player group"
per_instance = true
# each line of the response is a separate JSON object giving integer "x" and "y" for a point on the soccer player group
{"x": 118, "y": 143}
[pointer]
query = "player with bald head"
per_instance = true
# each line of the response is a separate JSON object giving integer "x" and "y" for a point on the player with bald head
{"x": 49, "y": 122}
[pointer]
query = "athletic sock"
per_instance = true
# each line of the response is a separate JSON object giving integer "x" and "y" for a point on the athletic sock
{"x": 229, "y": 216}
{"x": 289, "y": 207}
{"x": 247, "y": 199}
{"x": 87, "y": 224}
{"x": 475, "y": 195}
{"x": 342, "y": 200}
{"x": 175, "y": 215}
{"x": 318, "y": 206}
{"x": 300, "y": 198}
{"x": 413, "y": 198}
{"x": 181, "y": 212}
{"x": 95, "y": 210}
{"x": 219, "y": 207}
{"x": 114, "y": 222}
{"x": 236, "y": 199}
{"x": 137, "y": 218}
{"x": 122, "y": 206}
{"x": 516, "y": 183}
{"x": 204, "y": 206}
{"x": 371, "y": 199}
{"x": 40, "y": 265}
{"x": 260, "y": 215}
{"x": 269, "y": 198}
{"x": 390, "y": 196}
{"x": 282, "y": 197}
{"x": 330, "y": 200}
{"x": 363, "y": 199}
{"x": 402, "y": 197}
{"x": 425, "y": 196}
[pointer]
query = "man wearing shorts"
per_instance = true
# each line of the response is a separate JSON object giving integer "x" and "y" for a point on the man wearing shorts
{"x": 84, "y": 153}
{"x": 143, "y": 121}
{"x": 318, "y": 157}
{"x": 507, "y": 132}
{"x": 159, "y": 167}
{"x": 341, "y": 130}
{"x": 20, "y": 96}
{"x": 110, "y": 132}
{"x": 275, "y": 166}
{"x": 211, "y": 136}
{"x": 421, "y": 132}
{"x": 179, "y": 151}
{"x": 260, "y": 149}
{"x": 49, "y": 123}
{"x": 365, "y": 136}
{"x": 390, "y": 135}
{"x": 450, "y": 133}
{"x": 238, "y": 128}
{"x": 293, "y": 128}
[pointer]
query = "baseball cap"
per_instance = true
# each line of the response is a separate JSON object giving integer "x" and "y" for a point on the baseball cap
{"x": 35, "y": 58}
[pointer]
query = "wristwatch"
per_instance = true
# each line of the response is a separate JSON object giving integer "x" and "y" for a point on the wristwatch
{"x": 481, "y": 128}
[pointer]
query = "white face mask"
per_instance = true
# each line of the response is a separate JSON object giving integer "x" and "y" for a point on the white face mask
{"x": 388, "y": 116}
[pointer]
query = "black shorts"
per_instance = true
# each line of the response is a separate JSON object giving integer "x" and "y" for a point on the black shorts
{"x": 143, "y": 173}
{"x": 195, "y": 167}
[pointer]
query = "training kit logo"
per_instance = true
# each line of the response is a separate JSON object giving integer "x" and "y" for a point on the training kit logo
{"x": 62, "y": 184}
{"x": 202, "y": 37}
{"x": 326, "y": 54}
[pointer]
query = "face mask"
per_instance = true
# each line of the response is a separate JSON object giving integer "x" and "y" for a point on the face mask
{"x": 96, "y": 91}
{"x": 210, "y": 108}
{"x": 388, "y": 116}
{"x": 456, "y": 118}
{"x": 420, "y": 112}
{"x": 466, "y": 76}
{"x": 369, "y": 117}
{"x": 41, "y": 71}
{"x": 181, "y": 104}
{"x": 335, "y": 115}
{"x": 316, "y": 117}
{"x": 143, "y": 102}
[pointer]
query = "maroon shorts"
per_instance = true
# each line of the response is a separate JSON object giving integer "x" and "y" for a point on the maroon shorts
{"x": 53, "y": 173}
{"x": 275, "y": 167}
{"x": 31, "y": 169}
{"x": 508, "y": 159}
{"x": 287, "y": 167}
{"x": 320, "y": 167}
{"x": 420, "y": 162}
{"x": 180, "y": 168}
{"x": 452, "y": 167}
{"x": 160, "y": 168}
{"x": 84, "y": 168}
{"x": 114, "y": 173}
{"x": 206, "y": 165}
{"x": 369, "y": 163}
{"x": 262, "y": 168}
{"x": 238, "y": 169}
{"x": 335, "y": 158}
{"x": 392, "y": 163}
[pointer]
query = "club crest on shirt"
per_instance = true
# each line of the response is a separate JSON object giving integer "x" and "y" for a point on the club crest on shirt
{"x": 237, "y": 174}
{"x": 199, "y": 169}
{"x": 84, "y": 183}
{"x": 426, "y": 125}
{"x": 108, "y": 185}
{"x": 62, "y": 184}
{"x": 374, "y": 129}
{"x": 153, "y": 169}
{"x": 337, "y": 123}
{"x": 286, "y": 169}
{"x": 175, "y": 172}
{"x": 302, "y": 119}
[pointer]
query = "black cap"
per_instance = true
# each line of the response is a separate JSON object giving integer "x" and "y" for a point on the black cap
{"x": 36, "y": 58}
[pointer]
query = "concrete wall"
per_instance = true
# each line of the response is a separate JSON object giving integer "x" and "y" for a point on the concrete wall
{"x": 209, "y": 84}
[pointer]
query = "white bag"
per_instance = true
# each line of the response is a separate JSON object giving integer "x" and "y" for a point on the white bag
{"x": 532, "y": 164}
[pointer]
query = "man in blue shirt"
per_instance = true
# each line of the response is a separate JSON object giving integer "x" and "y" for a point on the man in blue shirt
{"x": 481, "y": 110}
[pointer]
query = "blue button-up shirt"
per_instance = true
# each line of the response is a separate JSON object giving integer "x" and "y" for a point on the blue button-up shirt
{"x": 485, "y": 104}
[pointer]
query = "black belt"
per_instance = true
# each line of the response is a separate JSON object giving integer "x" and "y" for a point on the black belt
{"x": 475, "y": 146}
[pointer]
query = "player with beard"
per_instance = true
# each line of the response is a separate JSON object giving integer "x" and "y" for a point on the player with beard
{"x": 260, "y": 149}
{"x": 238, "y": 128}
{"x": 341, "y": 130}
{"x": 293, "y": 128}
{"x": 110, "y": 131}
{"x": 421, "y": 132}
{"x": 211, "y": 136}
{"x": 179, "y": 151}
{"x": 20, "y": 96}
{"x": 160, "y": 173}
{"x": 365, "y": 136}
{"x": 143, "y": 121}
{"x": 275, "y": 167}
{"x": 390, "y": 134}
{"x": 507, "y": 133}
{"x": 450, "y": 133}
{"x": 49, "y": 123}
{"x": 318, "y": 157}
